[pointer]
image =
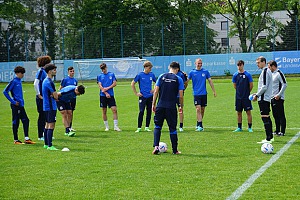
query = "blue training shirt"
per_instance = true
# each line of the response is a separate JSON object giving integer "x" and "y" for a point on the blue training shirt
{"x": 48, "y": 88}
{"x": 199, "y": 81}
{"x": 106, "y": 80}
{"x": 68, "y": 81}
{"x": 169, "y": 85}
{"x": 41, "y": 75}
{"x": 145, "y": 83}
{"x": 15, "y": 88}
{"x": 242, "y": 81}
{"x": 67, "y": 93}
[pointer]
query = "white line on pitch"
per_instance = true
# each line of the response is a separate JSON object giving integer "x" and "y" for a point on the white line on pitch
{"x": 238, "y": 192}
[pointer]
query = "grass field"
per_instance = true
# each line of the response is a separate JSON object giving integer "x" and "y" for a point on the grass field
{"x": 119, "y": 165}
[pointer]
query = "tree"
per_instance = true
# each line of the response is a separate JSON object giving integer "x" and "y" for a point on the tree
{"x": 249, "y": 18}
{"x": 290, "y": 34}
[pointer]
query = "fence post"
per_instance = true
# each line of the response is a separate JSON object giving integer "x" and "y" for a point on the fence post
{"x": 44, "y": 40}
{"x": 205, "y": 37}
{"x": 26, "y": 46}
{"x": 122, "y": 50}
{"x": 142, "y": 40}
{"x": 273, "y": 25}
{"x": 183, "y": 37}
{"x": 7, "y": 45}
{"x": 63, "y": 43}
{"x": 297, "y": 32}
{"x": 162, "y": 39}
{"x": 82, "y": 43}
{"x": 101, "y": 40}
{"x": 228, "y": 39}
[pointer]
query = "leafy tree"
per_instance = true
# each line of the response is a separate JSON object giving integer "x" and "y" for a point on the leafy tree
{"x": 290, "y": 34}
{"x": 11, "y": 39}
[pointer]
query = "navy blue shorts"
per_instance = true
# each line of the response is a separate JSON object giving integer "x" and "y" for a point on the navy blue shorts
{"x": 243, "y": 104}
{"x": 200, "y": 100}
{"x": 170, "y": 115}
{"x": 50, "y": 116}
{"x": 61, "y": 105}
{"x": 104, "y": 102}
{"x": 73, "y": 104}
{"x": 264, "y": 107}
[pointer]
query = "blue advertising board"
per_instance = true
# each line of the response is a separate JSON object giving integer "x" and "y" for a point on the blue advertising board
{"x": 216, "y": 64}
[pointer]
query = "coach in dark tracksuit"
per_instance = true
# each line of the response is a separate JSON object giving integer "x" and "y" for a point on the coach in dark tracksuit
{"x": 277, "y": 101}
{"x": 167, "y": 87}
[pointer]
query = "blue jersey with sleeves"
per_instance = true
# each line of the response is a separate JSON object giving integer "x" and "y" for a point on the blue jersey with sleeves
{"x": 169, "y": 85}
{"x": 145, "y": 83}
{"x": 68, "y": 81}
{"x": 48, "y": 88}
{"x": 15, "y": 88}
{"x": 199, "y": 81}
{"x": 41, "y": 75}
{"x": 106, "y": 80}
{"x": 67, "y": 93}
{"x": 242, "y": 81}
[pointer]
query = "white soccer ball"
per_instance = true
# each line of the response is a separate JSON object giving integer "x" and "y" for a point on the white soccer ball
{"x": 162, "y": 147}
{"x": 267, "y": 148}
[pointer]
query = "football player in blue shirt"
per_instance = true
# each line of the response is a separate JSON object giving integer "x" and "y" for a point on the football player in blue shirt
{"x": 49, "y": 105}
{"x": 198, "y": 77}
{"x": 39, "y": 78}
{"x": 145, "y": 95}
{"x": 17, "y": 105}
{"x": 243, "y": 84}
{"x": 167, "y": 87}
{"x": 106, "y": 82}
{"x": 69, "y": 80}
{"x": 182, "y": 75}
{"x": 65, "y": 97}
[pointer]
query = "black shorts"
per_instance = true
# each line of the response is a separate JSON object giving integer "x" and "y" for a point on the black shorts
{"x": 264, "y": 107}
{"x": 104, "y": 102}
{"x": 243, "y": 104}
{"x": 200, "y": 100}
{"x": 50, "y": 116}
{"x": 61, "y": 105}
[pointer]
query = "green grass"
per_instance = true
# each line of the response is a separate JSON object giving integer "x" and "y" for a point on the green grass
{"x": 119, "y": 165}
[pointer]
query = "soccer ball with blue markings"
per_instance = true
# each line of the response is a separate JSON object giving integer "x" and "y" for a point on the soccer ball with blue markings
{"x": 267, "y": 148}
{"x": 162, "y": 147}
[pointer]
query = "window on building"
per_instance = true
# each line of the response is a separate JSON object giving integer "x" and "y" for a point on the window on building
{"x": 224, "y": 25}
{"x": 262, "y": 37}
{"x": 224, "y": 42}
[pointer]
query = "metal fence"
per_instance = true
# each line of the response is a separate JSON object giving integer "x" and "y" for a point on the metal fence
{"x": 155, "y": 39}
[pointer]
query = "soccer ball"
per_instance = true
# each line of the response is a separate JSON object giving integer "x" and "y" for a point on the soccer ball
{"x": 162, "y": 147}
{"x": 251, "y": 97}
{"x": 267, "y": 148}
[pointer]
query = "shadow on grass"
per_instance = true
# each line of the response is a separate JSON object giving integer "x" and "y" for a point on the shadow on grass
{"x": 199, "y": 155}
